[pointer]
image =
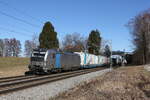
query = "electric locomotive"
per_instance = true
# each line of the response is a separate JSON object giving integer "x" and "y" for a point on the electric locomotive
{"x": 44, "y": 61}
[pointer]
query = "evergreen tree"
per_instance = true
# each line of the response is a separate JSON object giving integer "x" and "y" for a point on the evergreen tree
{"x": 107, "y": 52}
{"x": 48, "y": 37}
{"x": 94, "y": 42}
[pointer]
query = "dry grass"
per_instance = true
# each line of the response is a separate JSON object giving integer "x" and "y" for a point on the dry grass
{"x": 12, "y": 66}
{"x": 128, "y": 83}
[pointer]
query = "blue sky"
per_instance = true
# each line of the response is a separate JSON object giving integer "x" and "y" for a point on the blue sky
{"x": 69, "y": 16}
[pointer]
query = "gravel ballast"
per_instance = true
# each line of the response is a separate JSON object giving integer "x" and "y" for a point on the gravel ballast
{"x": 46, "y": 91}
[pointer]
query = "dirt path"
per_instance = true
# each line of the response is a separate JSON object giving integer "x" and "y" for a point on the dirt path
{"x": 127, "y": 83}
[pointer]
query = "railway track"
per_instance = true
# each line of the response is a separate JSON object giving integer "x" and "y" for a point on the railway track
{"x": 21, "y": 82}
{"x": 14, "y": 78}
{"x": 11, "y": 77}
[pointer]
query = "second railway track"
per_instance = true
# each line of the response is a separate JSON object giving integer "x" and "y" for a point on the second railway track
{"x": 14, "y": 84}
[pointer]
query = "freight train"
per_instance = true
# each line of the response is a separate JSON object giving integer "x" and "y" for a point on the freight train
{"x": 44, "y": 61}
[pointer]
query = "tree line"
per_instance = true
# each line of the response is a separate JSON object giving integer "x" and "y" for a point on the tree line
{"x": 71, "y": 42}
{"x": 10, "y": 47}
{"x": 47, "y": 39}
{"x": 139, "y": 27}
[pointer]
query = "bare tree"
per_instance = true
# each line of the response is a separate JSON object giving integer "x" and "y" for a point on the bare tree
{"x": 7, "y": 48}
{"x": 15, "y": 47}
{"x": 1, "y": 47}
{"x": 11, "y": 47}
{"x": 140, "y": 31}
{"x": 74, "y": 42}
{"x": 35, "y": 40}
{"x": 30, "y": 45}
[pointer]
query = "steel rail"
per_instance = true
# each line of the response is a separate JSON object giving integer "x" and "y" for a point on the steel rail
{"x": 35, "y": 82}
{"x": 11, "y": 77}
{"x": 39, "y": 78}
{"x": 16, "y": 78}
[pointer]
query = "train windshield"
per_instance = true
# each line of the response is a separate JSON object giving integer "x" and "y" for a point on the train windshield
{"x": 38, "y": 54}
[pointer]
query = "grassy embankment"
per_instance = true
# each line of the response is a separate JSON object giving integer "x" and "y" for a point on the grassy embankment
{"x": 126, "y": 83}
{"x": 12, "y": 66}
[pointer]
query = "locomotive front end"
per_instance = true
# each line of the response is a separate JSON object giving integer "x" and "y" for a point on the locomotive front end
{"x": 38, "y": 61}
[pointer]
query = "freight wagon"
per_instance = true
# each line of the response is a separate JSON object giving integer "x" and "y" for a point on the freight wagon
{"x": 90, "y": 60}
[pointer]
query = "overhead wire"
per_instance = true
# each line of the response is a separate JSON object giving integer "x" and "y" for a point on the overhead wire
{"x": 13, "y": 31}
{"x": 18, "y": 19}
{"x": 21, "y": 12}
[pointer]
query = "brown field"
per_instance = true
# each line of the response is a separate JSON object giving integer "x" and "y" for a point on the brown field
{"x": 12, "y": 66}
{"x": 126, "y": 83}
